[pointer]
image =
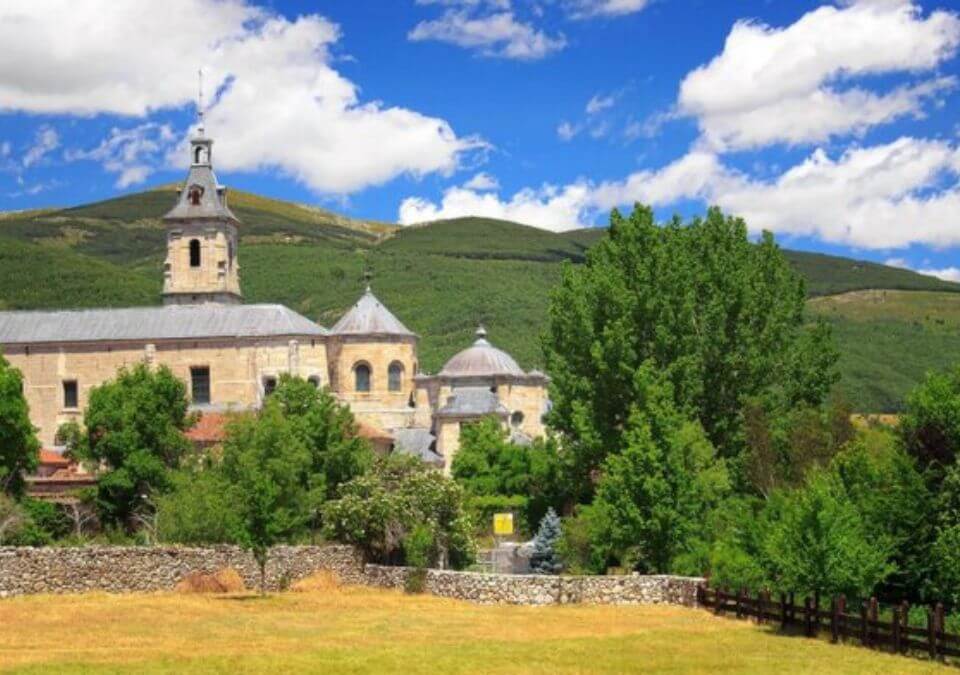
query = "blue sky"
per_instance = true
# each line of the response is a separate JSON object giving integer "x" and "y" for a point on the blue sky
{"x": 835, "y": 125}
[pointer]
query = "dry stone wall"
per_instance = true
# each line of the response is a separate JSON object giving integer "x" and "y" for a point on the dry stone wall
{"x": 532, "y": 589}
{"x": 124, "y": 569}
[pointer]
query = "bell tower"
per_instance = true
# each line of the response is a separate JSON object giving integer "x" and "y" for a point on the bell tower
{"x": 201, "y": 264}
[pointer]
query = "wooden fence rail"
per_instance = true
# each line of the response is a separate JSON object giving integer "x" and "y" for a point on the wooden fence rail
{"x": 862, "y": 624}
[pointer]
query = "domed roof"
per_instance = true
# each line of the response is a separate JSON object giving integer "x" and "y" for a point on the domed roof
{"x": 369, "y": 317}
{"x": 481, "y": 359}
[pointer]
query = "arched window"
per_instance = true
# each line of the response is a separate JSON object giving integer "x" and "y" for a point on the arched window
{"x": 395, "y": 376}
{"x": 516, "y": 419}
{"x": 198, "y": 155}
{"x": 361, "y": 376}
{"x": 194, "y": 194}
{"x": 194, "y": 253}
{"x": 314, "y": 380}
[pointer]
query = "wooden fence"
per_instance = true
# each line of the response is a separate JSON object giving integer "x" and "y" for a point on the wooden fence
{"x": 864, "y": 626}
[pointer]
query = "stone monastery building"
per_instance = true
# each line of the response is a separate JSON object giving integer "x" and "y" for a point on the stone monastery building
{"x": 231, "y": 354}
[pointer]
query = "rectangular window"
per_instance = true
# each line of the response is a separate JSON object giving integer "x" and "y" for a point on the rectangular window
{"x": 71, "y": 398}
{"x": 200, "y": 384}
{"x": 269, "y": 385}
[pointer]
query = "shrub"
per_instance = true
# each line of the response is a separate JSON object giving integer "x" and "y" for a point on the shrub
{"x": 199, "y": 509}
{"x": 820, "y": 543}
{"x": 378, "y": 510}
{"x": 420, "y": 552}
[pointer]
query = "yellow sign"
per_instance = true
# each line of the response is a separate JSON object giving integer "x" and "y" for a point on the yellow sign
{"x": 503, "y": 523}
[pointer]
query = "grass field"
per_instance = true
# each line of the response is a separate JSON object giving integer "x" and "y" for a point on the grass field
{"x": 359, "y": 630}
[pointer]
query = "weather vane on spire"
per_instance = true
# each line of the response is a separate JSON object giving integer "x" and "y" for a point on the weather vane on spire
{"x": 200, "y": 101}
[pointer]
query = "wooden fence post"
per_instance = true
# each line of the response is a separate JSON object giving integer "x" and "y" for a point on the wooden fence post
{"x": 793, "y": 608}
{"x": 905, "y": 618}
{"x": 783, "y": 610}
{"x": 940, "y": 626}
{"x": 808, "y": 616}
{"x": 863, "y": 624}
{"x": 842, "y": 617}
{"x": 874, "y": 616}
{"x": 834, "y": 621}
{"x": 931, "y": 634}
{"x": 895, "y": 627}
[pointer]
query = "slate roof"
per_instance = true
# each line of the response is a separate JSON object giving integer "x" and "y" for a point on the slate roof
{"x": 369, "y": 317}
{"x": 170, "y": 322}
{"x": 213, "y": 201}
{"x": 472, "y": 401}
{"x": 481, "y": 359}
{"x": 417, "y": 442}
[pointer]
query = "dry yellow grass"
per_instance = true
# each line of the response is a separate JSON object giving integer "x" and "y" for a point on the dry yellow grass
{"x": 358, "y": 630}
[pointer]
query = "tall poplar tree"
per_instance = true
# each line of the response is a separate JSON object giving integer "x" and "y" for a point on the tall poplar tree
{"x": 717, "y": 316}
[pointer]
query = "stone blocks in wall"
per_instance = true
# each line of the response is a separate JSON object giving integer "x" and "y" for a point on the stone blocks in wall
{"x": 122, "y": 569}
{"x": 532, "y": 589}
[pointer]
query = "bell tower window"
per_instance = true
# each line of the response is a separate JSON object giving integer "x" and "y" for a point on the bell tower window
{"x": 199, "y": 155}
{"x": 194, "y": 253}
{"x": 194, "y": 195}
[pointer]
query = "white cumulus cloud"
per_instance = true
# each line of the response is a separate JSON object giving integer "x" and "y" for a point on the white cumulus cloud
{"x": 548, "y": 207}
{"x": 499, "y": 34}
{"x": 794, "y": 84}
{"x": 886, "y": 196}
{"x": 586, "y": 9}
{"x": 279, "y": 103}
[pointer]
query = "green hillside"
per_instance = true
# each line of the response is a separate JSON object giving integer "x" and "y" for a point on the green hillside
{"x": 441, "y": 279}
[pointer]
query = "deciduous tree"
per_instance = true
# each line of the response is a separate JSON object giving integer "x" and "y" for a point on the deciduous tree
{"x": 19, "y": 447}
{"x": 264, "y": 459}
{"x": 721, "y": 318}
{"x": 134, "y": 432}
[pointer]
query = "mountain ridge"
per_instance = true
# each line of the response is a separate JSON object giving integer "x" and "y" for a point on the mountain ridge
{"x": 441, "y": 278}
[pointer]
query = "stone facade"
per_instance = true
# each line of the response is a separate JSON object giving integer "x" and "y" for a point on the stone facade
{"x": 120, "y": 569}
{"x": 238, "y": 370}
{"x": 63, "y": 355}
{"x": 215, "y": 277}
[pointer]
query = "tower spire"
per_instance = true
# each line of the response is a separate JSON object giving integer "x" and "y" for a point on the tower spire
{"x": 200, "y": 128}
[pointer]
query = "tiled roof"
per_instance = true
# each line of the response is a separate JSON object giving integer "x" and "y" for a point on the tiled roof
{"x": 369, "y": 317}
{"x": 53, "y": 458}
{"x": 155, "y": 323}
{"x": 210, "y": 428}
{"x": 372, "y": 433}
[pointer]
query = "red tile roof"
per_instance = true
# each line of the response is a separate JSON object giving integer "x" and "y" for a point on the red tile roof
{"x": 372, "y": 433}
{"x": 53, "y": 458}
{"x": 210, "y": 428}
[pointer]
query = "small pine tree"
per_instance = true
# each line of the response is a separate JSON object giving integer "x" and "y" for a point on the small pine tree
{"x": 545, "y": 558}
